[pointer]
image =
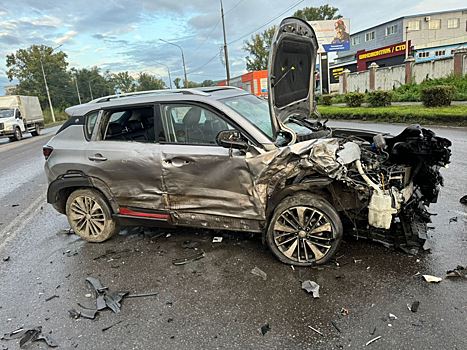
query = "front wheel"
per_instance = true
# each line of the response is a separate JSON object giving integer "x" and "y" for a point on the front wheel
{"x": 304, "y": 230}
{"x": 17, "y": 134}
{"x": 90, "y": 216}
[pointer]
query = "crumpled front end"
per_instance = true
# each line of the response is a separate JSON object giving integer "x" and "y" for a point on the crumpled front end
{"x": 388, "y": 180}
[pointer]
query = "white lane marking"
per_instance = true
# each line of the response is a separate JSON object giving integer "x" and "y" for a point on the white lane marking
{"x": 17, "y": 224}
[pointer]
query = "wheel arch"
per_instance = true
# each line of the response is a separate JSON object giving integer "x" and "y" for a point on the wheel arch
{"x": 60, "y": 189}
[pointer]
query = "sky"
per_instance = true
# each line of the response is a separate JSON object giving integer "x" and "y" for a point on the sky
{"x": 124, "y": 35}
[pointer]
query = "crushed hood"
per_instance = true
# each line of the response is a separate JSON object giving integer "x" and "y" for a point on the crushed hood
{"x": 291, "y": 70}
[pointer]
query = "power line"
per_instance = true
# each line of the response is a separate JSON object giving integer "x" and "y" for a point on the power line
{"x": 268, "y": 22}
{"x": 204, "y": 64}
{"x": 233, "y": 7}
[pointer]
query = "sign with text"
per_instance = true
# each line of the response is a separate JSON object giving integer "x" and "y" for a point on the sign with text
{"x": 333, "y": 35}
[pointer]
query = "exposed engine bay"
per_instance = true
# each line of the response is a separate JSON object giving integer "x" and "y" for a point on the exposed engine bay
{"x": 384, "y": 184}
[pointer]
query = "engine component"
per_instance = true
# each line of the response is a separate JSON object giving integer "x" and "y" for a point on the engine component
{"x": 379, "y": 142}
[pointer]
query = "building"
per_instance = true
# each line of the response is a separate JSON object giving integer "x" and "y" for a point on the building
{"x": 429, "y": 35}
{"x": 254, "y": 82}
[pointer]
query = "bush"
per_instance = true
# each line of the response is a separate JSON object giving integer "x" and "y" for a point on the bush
{"x": 326, "y": 100}
{"x": 354, "y": 99}
{"x": 437, "y": 95}
{"x": 379, "y": 98}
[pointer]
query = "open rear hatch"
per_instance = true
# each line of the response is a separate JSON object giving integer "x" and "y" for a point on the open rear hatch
{"x": 291, "y": 68}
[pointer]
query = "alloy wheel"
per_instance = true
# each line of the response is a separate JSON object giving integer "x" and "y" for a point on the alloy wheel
{"x": 87, "y": 216}
{"x": 303, "y": 234}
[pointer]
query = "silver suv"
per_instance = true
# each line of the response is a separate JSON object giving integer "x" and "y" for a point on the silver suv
{"x": 220, "y": 158}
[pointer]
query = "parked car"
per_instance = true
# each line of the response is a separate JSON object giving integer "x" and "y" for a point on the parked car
{"x": 221, "y": 158}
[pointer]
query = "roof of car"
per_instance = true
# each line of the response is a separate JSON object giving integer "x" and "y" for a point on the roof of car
{"x": 141, "y": 97}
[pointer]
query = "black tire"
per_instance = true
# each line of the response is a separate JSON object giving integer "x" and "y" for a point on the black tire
{"x": 90, "y": 216}
{"x": 17, "y": 136}
{"x": 37, "y": 130}
{"x": 306, "y": 220}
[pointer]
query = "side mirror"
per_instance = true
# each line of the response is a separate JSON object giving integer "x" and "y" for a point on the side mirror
{"x": 231, "y": 139}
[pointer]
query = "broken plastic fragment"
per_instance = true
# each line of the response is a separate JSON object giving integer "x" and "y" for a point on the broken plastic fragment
{"x": 217, "y": 240}
{"x": 432, "y": 279}
{"x": 6, "y": 258}
{"x": 392, "y": 317}
{"x": 266, "y": 328}
{"x": 190, "y": 258}
{"x": 317, "y": 331}
{"x": 89, "y": 313}
{"x": 30, "y": 335}
{"x": 459, "y": 271}
{"x": 373, "y": 340}
{"x": 96, "y": 284}
{"x": 258, "y": 272}
{"x": 311, "y": 287}
{"x": 463, "y": 200}
{"x": 344, "y": 311}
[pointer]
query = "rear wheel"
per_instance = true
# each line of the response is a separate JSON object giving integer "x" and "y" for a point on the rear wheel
{"x": 90, "y": 216}
{"x": 304, "y": 230}
{"x": 37, "y": 130}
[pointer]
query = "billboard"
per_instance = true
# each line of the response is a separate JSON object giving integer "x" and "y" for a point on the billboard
{"x": 333, "y": 35}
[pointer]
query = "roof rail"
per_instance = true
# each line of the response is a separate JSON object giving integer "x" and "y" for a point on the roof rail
{"x": 150, "y": 92}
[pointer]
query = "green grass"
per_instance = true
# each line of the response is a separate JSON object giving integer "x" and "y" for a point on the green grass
{"x": 452, "y": 115}
{"x": 60, "y": 117}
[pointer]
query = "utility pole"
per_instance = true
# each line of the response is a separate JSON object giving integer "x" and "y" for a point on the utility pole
{"x": 168, "y": 71}
{"x": 183, "y": 60}
{"x": 406, "y": 42}
{"x": 90, "y": 90}
{"x": 77, "y": 90}
{"x": 46, "y": 85}
{"x": 226, "y": 54}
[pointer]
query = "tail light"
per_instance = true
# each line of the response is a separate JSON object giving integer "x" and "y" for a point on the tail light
{"x": 47, "y": 151}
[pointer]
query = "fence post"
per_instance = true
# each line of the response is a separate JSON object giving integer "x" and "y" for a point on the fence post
{"x": 459, "y": 61}
{"x": 344, "y": 81}
{"x": 409, "y": 62}
{"x": 373, "y": 68}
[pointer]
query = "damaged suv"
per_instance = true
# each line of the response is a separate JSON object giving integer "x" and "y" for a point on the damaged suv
{"x": 221, "y": 158}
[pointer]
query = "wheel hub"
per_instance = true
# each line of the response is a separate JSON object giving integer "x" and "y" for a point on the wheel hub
{"x": 87, "y": 216}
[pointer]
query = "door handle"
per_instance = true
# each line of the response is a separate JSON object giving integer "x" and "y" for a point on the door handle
{"x": 177, "y": 162}
{"x": 97, "y": 158}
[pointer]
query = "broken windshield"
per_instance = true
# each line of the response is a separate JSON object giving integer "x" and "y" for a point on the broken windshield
{"x": 254, "y": 109}
{"x": 6, "y": 113}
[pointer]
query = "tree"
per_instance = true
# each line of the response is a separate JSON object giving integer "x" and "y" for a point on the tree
{"x": 147, "y": 81}
{"x": 25, "y": 66}
{"x": 177, "y": 82}
{"x": 91, "y": 83}
{"x": 208, "y": 83}
{"x": 324, "y": 12}
{"x": 258, "y": 49}
{"x": 122, "y": 82}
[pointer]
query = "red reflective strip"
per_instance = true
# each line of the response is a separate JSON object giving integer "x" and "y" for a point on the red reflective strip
{"x": 129, "y": 212}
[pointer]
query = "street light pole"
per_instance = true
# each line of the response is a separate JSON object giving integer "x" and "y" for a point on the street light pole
{"x": 183, "y": 59}
{"x": 46, "y": 85}
{"x": 226, "y": 54}
{"x": 77, "y": 90}
{"x": 90, "y": 90}
{"x": 168, "y": 71}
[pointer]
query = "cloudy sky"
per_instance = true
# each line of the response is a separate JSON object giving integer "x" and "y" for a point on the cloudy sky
{"x": 120, "y": 35}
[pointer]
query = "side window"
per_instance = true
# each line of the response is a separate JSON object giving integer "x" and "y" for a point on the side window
{"x": 133, "y": 124}
{"x": 90, "y": 123}
{"x": 189, "y": 124}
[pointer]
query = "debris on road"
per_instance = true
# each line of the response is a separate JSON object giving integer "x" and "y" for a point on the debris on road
{"x": 258, "y": 272}
{"x": 392, "y": 317}
{"x": 432, "y": 279}
{"x": 317, "y": 331}
{"x": 142, "y": 295}
{"x": 414, "y": 306}
{"x": 112, "y": 325}
{"x": 335, "y": 326}
{"x": 6, "y": 258}
{"x": 52, "y": 297}
{"x": 266, "y": 328}
{"x": 459, "y": 271}
{"x": 344, "y": 311}
{"x": 463, "y": 200}
{"x": 27, "y": 336}
{"x": 453, "y": 219}
{"x": 372, "y": 340}
{"x": 189, "y": 258}
{"x": 373, "y": 331}
{"x": 311, "y": 287}
{"x": 74, "y": 314}
{"x": 217, "y": 240}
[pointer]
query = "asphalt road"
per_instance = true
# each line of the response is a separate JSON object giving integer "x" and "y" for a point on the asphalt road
{"x": 216, "y": 302}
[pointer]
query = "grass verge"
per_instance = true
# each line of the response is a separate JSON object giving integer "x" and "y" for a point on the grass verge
{"x": 452, "y": 115}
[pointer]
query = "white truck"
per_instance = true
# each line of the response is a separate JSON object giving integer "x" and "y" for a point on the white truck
{"x": 19, "y": 115}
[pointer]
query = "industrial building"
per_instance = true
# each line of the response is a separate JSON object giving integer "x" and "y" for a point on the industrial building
{"x": 429, "y": 36}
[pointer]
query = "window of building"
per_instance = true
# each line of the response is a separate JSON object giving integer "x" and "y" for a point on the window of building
{"x": 453, "y": 23}
{"x": 356, "y": 40}
{"x": 440, "y": 53}
{"x": 424, "y": 54}
{"x": 135, "y": 124}
{"x": 370, "y": 36}
{"x": 188, "y": 124}
{"x": 434, "y": 24}
{"x": 413, "y": 25}
{"x": 390, "y": 30}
